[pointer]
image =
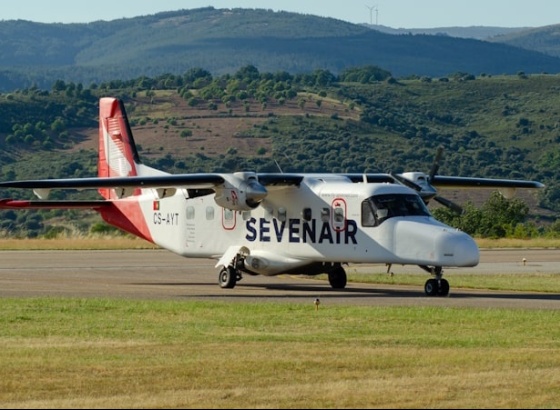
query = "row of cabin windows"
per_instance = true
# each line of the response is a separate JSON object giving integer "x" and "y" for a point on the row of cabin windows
{"x": 281, "y": 214}
{"x": 374, "y": 210}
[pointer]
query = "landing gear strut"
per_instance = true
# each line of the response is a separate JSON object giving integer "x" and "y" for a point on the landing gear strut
{"x": 437, "y": 286}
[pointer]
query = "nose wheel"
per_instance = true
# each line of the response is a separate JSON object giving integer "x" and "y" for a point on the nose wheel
{"x": 437, "y": 286}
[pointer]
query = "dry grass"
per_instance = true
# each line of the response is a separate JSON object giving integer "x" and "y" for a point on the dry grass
{"x": 76, "y": 243}
{"x": 519, "y": 243}
{"x": 129, "y": 242}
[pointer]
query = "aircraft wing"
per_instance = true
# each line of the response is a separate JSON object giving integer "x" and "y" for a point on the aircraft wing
{"x": 280, "y": 179}
{"x": 239, "y": 191}
{"x": 159, "y": 181}
{"x": 466, "y": 182}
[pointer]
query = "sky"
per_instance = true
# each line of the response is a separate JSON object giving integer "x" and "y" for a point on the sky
{"x": 392, "y": 13}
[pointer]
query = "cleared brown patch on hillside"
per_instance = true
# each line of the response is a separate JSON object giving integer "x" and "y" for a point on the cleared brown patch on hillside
{"x": 214, "y": 131}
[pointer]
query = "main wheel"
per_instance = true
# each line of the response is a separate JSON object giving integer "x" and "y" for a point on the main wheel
{"x": 227, "y": 278}
{"x": 337, "y": 278}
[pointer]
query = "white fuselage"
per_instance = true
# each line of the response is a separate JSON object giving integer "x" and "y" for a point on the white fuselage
{"x": 318, "y": 221}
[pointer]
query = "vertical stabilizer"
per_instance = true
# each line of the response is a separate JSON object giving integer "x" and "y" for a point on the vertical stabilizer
{"x": 118, "y": 156}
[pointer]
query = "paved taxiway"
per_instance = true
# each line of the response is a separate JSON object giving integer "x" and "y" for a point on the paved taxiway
{"x": 159, "y": 274}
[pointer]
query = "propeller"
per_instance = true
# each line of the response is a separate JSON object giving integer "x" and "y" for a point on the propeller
{"x": 421, "y": 183}
{"x": 435, "y": 165}
{"x": 450, "y": 204}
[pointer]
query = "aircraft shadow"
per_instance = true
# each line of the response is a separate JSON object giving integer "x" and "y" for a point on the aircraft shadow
{"x": 311, "y": 290}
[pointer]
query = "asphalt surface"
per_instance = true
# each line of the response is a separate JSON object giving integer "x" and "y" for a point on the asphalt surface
{"x": 160, "y": 274}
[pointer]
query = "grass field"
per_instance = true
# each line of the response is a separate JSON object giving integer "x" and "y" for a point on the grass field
{"x": 109, "y": 353}
{"x": 101, "y": 353}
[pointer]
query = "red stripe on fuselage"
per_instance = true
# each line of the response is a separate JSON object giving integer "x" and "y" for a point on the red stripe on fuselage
{"x": 127, "y": 215}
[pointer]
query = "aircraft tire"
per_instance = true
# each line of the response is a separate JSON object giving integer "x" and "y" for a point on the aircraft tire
{"x": 443, "y": 289}
{"x": 227, "y": 278}
{"x": 337, "y": 278}
{"x": 431, "y": 287}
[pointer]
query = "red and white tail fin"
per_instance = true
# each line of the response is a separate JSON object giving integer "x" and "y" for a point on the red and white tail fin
{"x": 118, "y": 156}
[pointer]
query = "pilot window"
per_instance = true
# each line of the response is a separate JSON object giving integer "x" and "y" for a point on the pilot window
{"x": 379, "y": 208}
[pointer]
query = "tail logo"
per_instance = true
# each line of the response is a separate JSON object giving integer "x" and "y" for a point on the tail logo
{"x": 119, "y": 164}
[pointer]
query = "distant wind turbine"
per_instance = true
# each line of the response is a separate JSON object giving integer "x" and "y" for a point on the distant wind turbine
{"x": 371, "y": 9}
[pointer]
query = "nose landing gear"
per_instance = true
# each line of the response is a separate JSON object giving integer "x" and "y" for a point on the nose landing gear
{"x": 436, "y": 286}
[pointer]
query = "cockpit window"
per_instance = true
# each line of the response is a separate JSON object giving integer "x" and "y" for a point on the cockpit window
{"x": 379, "y": 208}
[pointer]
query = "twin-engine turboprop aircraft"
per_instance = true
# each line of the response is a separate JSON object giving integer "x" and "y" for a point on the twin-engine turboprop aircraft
{"x": 271, "y": 223}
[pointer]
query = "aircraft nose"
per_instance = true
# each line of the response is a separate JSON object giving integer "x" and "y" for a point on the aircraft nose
{"x": 435, "y": 244}
{"x": 457, "y": 247}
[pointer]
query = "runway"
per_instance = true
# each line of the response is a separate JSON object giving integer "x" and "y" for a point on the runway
{"x": 160, "y": 274}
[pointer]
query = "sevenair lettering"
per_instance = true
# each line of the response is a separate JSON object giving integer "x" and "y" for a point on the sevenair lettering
{"x": 298, "y": 231}
{"x": 162, "y": 218}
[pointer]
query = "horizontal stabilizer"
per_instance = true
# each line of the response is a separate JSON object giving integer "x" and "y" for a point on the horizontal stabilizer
{"x": 23, "y": 204}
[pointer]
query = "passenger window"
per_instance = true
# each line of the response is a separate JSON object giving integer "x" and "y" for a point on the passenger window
{"x": 228, "y": 214}
{"x": 190, "y": 212}
{"x": 210, "y": 213}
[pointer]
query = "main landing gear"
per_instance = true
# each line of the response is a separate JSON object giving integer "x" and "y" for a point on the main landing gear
{"x": 437, "y": 286}
{"x": 230, "y": 275}
{"x": 337, "y": 277}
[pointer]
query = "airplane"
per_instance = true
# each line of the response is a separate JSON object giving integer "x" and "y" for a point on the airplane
{"x": 272, "y": 223}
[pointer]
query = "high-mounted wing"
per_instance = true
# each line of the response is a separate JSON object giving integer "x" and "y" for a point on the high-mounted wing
{"x": 425, "y": 184}
{"x": 238, "y": 191}
{"x": 165, "y": 181}
{"x": 466, "y": 182}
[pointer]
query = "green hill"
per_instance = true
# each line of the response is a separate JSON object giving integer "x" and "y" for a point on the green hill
{"x": 224, "y": 40}
{"x": 501, "y": 126}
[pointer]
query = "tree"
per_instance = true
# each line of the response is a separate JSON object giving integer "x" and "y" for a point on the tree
{"x": 498, "y": 217}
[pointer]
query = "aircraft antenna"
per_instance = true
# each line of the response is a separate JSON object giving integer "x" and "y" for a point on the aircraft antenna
{"x": 278, "y": 165}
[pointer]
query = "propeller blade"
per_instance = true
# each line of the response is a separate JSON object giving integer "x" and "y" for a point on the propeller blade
{"x": 435, "y": 165}
{"x": 450, "y": 204}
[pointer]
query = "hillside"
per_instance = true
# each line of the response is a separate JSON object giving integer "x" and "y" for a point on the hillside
{"x": 542, "y": 39}
{"x": 500, "y": 127}
{"x": 223, "y": 40}
{"x": 472, "y": 32}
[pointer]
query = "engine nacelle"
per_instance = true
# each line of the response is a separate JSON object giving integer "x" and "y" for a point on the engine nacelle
{"x": 422, "y": 181}
{"x": 241, "y": 192}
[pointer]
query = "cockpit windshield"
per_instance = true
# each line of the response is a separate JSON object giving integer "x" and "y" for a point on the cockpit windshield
{"x": 379, "y": 208}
